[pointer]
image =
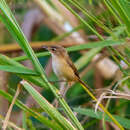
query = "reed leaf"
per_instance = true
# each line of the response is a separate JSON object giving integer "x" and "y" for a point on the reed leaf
{"x": 19, "y": 70}
{"x": 42, "y": 119}
{"x": 8, "y": 19}
{"x": 101, "y": 44}
{"x": 47, "y": 107}
{"x": 99, "y": 115}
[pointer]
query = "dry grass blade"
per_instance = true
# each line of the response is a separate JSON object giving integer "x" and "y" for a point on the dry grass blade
{"x": 11, "y": 124}
{"x": 111, "y": 92}
{"x": 5, "y": 123}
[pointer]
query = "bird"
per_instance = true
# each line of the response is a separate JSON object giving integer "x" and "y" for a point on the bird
{"x": 65, "y": 69}
{"x": 62, "y": 65}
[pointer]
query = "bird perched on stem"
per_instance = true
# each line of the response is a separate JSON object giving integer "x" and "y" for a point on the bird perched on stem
{"x": 62, "y": 65}
{"x": 65, "y": 70}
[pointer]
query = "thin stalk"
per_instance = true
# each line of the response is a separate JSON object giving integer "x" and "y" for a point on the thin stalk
{"x": 47, "y": 107}
{"x": 106, "y": 107}
{"x": 118, "y": 54}
{"x": 10, "y": 124}
{"x": 108, "y": 102}
{"x": 114, "y": 12}
{"x": 9, "y": 20}
{"x": 82, "y": 20}
{"x": 93, "y": 97}
{"x": 117, "y": 62}
{"x": 92, "y": 17}
{"x": 102, "y": 107}
{"x": 42, "y": 119}
{"x": 107, "y": 3}
{"x": 5, "y": 123}
{"x": 67, "y": 109}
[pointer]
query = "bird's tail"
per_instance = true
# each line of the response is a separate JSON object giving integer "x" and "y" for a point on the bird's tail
{"x": 84, "y": 85}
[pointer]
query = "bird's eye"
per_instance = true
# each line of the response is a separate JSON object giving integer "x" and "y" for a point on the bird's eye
{"x": 53, "y": 49}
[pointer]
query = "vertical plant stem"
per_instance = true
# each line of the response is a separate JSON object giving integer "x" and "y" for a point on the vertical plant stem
{"x": 67, "y": 109}
{"x": 82, "y": 20}
{"x": 10, "y": 108}
{"x": 118, "y": 54}
{"x": 107, "y": 3}
{"x": 114, "y": 12}
{"x": 103, "y": 108}
{"x": 92, "y": 17}
{"x": 10, "y": 22}
{"x": 100, "y": 37}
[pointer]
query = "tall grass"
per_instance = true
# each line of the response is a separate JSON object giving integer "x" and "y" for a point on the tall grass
{"x": 37, "y": 75}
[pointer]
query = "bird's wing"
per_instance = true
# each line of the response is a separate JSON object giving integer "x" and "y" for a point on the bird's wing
{"x": 70, "y": 63}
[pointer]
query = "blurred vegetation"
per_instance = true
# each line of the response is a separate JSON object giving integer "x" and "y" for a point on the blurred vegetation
{"x": 102, "y": 21}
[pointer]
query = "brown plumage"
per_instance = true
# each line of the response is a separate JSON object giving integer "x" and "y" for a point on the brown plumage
{"x": 62, "y": 64}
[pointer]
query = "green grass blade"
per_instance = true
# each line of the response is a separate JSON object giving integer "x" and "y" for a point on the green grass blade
{"x": 122, "y": 11}
{"x": 8, "y": 19}
{"x": 112, "y": 10}
{"x": 99, "y": 115}
{"x": 81, "y": 19}
{"x": 37, "y": 80}
{"x": 42, "y": 119}
{"x": 22, "y": 58}
{"x": 92, "y": 17}
{"x": 85, "y": 59}
{"x": 19, "y": 70}
{"x": 104, "y": 43}
{"x": 126, "y": 7}
{"x": 24, "y": 119}
{"x": 47, "y": 107}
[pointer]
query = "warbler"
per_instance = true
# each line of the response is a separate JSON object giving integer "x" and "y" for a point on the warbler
{"x": 62, "y": 65}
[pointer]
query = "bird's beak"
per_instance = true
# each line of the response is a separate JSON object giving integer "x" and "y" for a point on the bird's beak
{"x": 45, "y": 47}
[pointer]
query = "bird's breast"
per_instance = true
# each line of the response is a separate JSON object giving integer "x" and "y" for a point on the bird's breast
{"x": 56, "y": 65}
{"x": 62, "y": 69}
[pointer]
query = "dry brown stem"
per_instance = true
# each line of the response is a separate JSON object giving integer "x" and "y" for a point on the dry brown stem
{"x": 3, "y": 86}
{"x": 5, "y": 123}
{"x": 35, "y": 45}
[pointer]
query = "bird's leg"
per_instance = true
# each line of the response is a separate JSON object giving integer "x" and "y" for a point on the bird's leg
{"x": 63, "y": 90}
{"x": 69, "y": 84}
{"x": 62, "y": 86}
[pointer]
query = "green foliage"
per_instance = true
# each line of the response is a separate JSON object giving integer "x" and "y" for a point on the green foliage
{"x": 94, "y": 45}
{"x": 111, "y": 35}
{"x": 39, "y": 117}
{"x": 47, "y": 107}
{"x": 99, "y": 115}
{"x": 10, "y": 22}
{"x": 18, "y": 70}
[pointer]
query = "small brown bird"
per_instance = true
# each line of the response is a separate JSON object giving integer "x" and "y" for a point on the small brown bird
{"x": 62, "y": 64}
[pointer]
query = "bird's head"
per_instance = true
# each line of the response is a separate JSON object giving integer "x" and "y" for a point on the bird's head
{"x": 56, "y": 50}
